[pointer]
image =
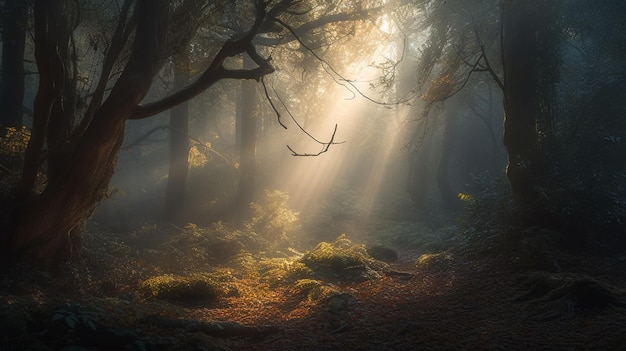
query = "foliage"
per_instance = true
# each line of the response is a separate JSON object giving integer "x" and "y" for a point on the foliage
{"x": 196, "y": 248}
{"x": 178, "y": 288}
{"x": 275, "y": 271}
{"x": 272, "y": 219}
{"x": 489, "y": 219}
{"x": 314, "y": 290}
{"x": 14, "y": 141}
{"x": 342, "y": 259}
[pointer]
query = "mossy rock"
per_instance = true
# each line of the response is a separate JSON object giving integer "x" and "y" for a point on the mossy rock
{"x": 441, "y": 260}
{"x": 276, "y": 271}
{"x": 182, "y": 289}
{"x": 338, "y": 301}
{"x": 342, "y": 259}
{"x": 314, "y": 290}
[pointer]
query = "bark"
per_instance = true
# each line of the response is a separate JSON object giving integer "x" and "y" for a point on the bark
{"x": 524, "y": 61}
{"x": 45, "y": 228}
{"x": 12, "y": 79}
{"x": 179, "y": 149}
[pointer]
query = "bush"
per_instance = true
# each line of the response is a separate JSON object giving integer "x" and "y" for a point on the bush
{"x": 181, "y": 289}
{"x": 272, "y": 219}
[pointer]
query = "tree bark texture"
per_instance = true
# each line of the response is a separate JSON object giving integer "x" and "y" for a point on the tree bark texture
{"x": 45, "y": 226}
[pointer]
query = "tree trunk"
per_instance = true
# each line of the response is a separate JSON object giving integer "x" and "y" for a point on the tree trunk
{"x": 449, "y": 197}
{"x": 526, "y": 60}
{"x": 45, "y": 226}
{"x": 179, "y": 148}
{"x": 12, "y": 79}
{"x": 247, "y": 148}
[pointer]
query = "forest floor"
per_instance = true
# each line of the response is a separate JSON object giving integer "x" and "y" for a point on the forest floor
{"x": 445, "y": 303}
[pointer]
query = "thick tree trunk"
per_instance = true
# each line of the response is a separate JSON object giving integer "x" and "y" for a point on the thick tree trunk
{"x": 45, "y": 226}
{"x": 179, "y": 149}
{"x": 12, "y": 79}
{"x": 525, "y": 60}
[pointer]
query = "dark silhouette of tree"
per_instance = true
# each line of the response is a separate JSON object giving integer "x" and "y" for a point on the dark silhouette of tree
{"x": 13, "y": 24}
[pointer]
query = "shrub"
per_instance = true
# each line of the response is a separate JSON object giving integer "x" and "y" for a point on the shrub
{"x": 179, "y": 288}
{"x": 272, "y": 219}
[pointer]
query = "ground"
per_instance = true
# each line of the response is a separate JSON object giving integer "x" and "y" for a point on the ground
{"x": 445, "y": 301}
{"x": 470, "y": 306}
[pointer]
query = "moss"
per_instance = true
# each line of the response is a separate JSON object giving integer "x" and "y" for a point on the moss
{"x": 275, "y": 271}
{"x": 437, "y": 260}
{"x": 342, "y": 259}
{"x": 314, "y": 290}
{"x": 179, "y": 288}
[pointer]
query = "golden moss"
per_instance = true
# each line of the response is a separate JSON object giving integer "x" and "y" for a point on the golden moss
{"x": 439, "y": 259}
{"x": 343, "y": 259}
{"x": 314, "y": 290}
{"x": 179, "y": 288}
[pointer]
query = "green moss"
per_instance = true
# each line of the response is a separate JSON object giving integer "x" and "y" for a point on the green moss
{"x": 342, "y": 259}
{"x": 439, "y": 260}
{"x": 275, "y": 271}
{"x": 314, "y": 290}
{"x": 179, "y": 288}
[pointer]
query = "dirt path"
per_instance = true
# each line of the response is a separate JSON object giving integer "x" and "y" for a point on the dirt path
{"x": 465, "y": 307}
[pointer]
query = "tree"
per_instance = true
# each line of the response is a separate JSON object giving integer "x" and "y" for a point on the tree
{"x": 12, "y": 79}
{"x": 76, "y": 137}
{"x": 562, "y": 84}
{"x": 179, "y": 146}
{"x": 81, "y": 157}
{"x": 530, "y": 53}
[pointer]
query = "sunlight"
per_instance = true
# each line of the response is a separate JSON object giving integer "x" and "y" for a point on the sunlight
{"x": 361, "y": 170}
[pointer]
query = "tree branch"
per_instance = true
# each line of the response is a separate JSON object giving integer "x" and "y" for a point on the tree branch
{"x": 216, "y": 71}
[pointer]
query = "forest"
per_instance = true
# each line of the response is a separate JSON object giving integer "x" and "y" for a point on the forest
{"x": 312, "y": 175}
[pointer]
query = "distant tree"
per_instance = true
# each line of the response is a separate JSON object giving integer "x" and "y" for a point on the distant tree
{"x": 563, "y": 96}
{"x": 179, "y": 146}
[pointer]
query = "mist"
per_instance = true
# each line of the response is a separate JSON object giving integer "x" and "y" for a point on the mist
{"x": 312, "y": 175}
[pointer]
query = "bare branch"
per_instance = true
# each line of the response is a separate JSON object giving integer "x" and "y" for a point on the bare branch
{"x": 325, "y": 146}
{"x": 216, "y": 71}
{"x": 334, "y": 74}
{"x": 272, "y": 103}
